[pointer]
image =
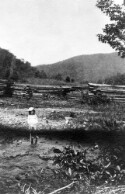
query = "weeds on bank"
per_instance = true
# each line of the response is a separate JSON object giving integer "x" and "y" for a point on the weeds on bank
{"x": 102, "y": 174}
{"x": 107, "y": 169}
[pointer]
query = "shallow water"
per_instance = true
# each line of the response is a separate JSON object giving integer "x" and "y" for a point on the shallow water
{"x": 22, "y": 163}
{"x": 19, "y": 160}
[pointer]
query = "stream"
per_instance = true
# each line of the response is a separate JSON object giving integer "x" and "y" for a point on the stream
{"x": 22, "y": 163}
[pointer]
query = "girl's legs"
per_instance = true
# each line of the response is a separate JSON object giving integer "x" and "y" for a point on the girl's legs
{"x": 36, "y": 139}
{"x": 30, "y": 129}
{"x": 32, "y": 142}
{"x": 33, "y": 137}
{"x": 30, "y": 136}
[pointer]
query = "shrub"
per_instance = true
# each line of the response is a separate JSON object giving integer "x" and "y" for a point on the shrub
{"x": 67, "y": 79}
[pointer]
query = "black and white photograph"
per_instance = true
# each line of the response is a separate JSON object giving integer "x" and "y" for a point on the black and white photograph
{"x": 62, "y": 97}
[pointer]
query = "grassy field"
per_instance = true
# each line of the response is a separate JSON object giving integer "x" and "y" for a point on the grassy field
{"x": 95, "y": 161}
{"x": 52, "y": 114}
{"x": 38, "y": 81}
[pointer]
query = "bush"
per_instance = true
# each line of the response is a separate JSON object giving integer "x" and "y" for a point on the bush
{"x": 58, "y": 76}
{"x": 107, "y": 168}
{"x": 40, "y": 74}
{"x": 96, "y": 99}
{"x": 72, "y": 80}
{"x": 67, "y": 79}
{"x": 118, "y": 79}
{"x": 28, "y": 92}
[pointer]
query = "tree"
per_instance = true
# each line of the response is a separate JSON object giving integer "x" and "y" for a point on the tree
{"x": 15, "y": 76}
{"x": 72, "y": 80}
{"x": 40, "y": 74}
{"x": 113, "y": 33}
{"x": 7, "y": 65}
{"x": 67, "y": 79}
{"x": 8, "y": 89}
{"x": 37, "y": 74}
{"x": 118, "y": 79}
{"x": 58, "y": 76}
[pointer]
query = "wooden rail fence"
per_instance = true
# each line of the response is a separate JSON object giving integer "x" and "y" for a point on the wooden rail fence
{"x": 114, "y": 92}
{"x": 39, "y": 90}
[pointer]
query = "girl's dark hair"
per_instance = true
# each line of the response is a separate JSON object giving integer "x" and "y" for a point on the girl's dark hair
{"x": 30, "y": 112}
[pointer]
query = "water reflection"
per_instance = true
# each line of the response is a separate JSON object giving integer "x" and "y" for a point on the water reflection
{"x": 22, "y": 162}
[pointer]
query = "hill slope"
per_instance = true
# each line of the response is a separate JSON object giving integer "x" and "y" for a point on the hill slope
{"x": 87, "y": 67}
{"x": 14, "y": 68}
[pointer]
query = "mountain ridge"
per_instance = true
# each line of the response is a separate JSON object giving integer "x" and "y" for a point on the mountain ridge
{"x": 88, "y": 67}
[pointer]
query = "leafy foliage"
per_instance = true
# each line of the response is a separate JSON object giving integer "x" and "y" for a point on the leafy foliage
{"x": 96, "y": 99}
{"x": 103, "y": 172}
{"x": 108, "y": 168}
{"x": 114, "y": 33}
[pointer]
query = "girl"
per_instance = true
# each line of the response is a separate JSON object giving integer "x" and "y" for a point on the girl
{"x": 32, "y": 122}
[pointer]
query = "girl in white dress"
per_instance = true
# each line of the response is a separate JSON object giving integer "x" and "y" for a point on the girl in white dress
{"x": 32, "y": 122}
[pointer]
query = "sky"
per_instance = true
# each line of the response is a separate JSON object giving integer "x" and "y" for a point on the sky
{"x": 48, "y": 31}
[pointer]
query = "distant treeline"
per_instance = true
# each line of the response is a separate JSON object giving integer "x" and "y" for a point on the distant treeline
{"x": 16, "y": 69}
{"x": 19, "y": 70}
{"x": 118, "y": 79}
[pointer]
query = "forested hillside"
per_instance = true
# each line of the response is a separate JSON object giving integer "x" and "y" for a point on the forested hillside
{"x": 17, "y": 69}
{"x": 84, "y": 68}
{"x": 87, "y": 67}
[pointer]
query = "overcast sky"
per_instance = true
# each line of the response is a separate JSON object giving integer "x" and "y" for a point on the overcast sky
{"x": 47, "y": 31}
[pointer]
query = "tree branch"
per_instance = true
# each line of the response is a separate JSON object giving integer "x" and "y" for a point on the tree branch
{"x": 58, "y": 190}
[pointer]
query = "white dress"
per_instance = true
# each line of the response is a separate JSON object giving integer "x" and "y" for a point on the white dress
{"x": 32, "y": 121}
